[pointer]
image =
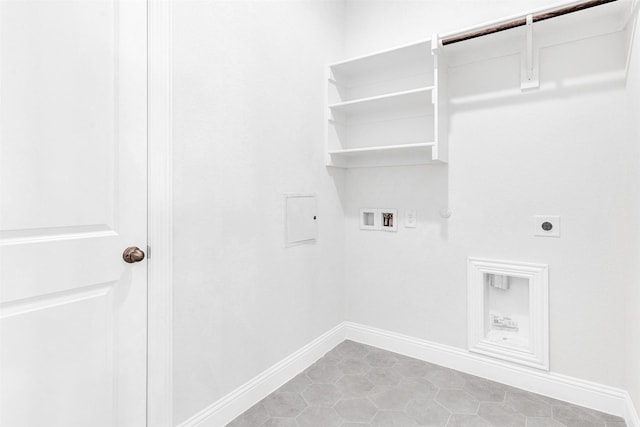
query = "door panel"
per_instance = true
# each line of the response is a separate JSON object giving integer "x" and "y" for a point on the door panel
{"x": 72, "y": 198}
{"x": 60, "y": 80}
{"x": 42, "y": 364}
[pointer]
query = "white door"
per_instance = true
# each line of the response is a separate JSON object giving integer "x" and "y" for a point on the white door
{"x": 72, "y": 197}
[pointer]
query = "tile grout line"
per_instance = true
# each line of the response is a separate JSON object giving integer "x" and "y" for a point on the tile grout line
{"x": 406, "y": 368}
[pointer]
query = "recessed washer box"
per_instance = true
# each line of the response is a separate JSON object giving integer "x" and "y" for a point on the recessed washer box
{"x": 300, "y": 219}
{"x": 508, "y": 311}
{"x": 379, "y": 219}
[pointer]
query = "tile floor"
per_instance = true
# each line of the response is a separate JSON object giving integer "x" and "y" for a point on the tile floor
{"x": 356, "y": 385}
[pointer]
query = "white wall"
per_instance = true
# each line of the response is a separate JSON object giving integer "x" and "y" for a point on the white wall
{"x": 248, "y": 123}
{"x": 633, "y": 297}
{"x": 373, "y": 25}
{"x": 562, "y": 150}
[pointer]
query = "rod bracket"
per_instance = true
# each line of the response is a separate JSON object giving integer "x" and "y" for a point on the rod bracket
{"x": 530, "y": 60}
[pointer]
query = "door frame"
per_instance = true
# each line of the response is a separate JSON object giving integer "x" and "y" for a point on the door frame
{"x": 160, "y": 214}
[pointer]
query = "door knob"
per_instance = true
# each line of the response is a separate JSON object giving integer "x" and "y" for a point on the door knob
{"x": 133, "y": 254}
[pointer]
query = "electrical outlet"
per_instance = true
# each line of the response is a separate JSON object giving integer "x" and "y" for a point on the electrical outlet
{"x": 410, "y": 219}
{"x": 546, "y": 226}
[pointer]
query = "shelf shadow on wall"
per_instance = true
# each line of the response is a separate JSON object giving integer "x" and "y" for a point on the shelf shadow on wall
{"x": 567, "y": 70}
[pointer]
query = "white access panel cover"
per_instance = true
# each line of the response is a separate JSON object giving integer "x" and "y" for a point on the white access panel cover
{"x": 300, "y": 219}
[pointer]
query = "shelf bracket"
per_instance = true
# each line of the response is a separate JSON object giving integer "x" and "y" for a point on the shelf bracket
{"x": 530, "y": 60}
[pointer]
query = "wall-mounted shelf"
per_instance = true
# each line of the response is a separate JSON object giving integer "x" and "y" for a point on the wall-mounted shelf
{"x": 379, "y": 105}
{"x": 387, "y": 155}
{"x": 384, "y": 60}
{"x": 414, "y": 148}
{"x": 410, "y": 99}
{"x": 386, "y": 108}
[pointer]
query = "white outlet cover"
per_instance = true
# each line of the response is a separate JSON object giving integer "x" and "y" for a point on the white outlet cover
{"x": 546, "y": 225}
{"x": 410, "y": 219}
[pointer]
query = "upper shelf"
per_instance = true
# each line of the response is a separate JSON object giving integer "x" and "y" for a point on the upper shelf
{"x": 390, "y": 155}
{"x": 410, "y": 99}
{"x": 413, "y": 148}
{"x": 383, "y": 108}
{"x": 411, "y": 53}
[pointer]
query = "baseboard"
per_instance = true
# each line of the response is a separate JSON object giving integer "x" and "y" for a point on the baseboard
{"x": 631, "y": 414}
{"x": 235, "y": 403}
{"x": 580, "y": 392}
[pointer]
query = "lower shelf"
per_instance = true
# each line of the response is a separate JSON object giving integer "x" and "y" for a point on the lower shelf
{"x": 387, "y": 155}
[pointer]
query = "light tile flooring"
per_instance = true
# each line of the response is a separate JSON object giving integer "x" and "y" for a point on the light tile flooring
{"x": 356, "y": 385}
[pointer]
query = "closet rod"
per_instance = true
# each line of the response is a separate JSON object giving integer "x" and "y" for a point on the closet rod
{"x": 523, "y": 21}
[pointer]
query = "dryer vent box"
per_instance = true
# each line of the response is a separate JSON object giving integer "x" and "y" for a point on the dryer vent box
{"x": 300, "y": 219}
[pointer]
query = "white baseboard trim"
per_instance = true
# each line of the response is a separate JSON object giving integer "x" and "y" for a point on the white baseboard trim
{"x": 580, "y": 392}
{"x": 631, "y": 414}
{"x": 235, "y": 403}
